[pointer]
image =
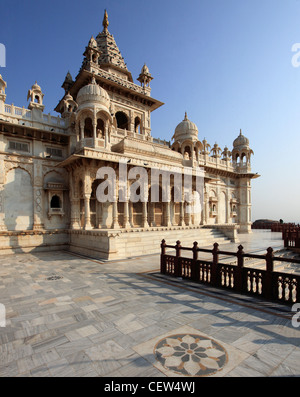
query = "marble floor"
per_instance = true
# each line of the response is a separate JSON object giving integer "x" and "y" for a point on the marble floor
{"x": 72, "y": 316}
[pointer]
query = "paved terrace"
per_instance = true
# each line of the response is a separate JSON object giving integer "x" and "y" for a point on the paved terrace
{"x": 68, "y": 315}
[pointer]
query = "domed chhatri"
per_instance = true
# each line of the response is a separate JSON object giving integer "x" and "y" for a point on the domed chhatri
{"x": 241, "y": 150}
{"x": 186, "y": 130}
{"x": 145, "y": 77}
{"x": 92, "y": 93}
{"x": 35, "y": 95}
{"x": 241, "y": 140}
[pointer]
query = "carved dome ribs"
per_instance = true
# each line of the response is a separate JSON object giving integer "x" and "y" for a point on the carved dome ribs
{"x": 92, "y": 94}
{"x": 186, "y": 130}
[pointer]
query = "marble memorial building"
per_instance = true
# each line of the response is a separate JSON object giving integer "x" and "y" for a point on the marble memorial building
{"x": 48, "y": 167}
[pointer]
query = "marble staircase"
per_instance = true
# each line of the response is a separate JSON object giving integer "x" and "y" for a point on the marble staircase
{"x": 137, "y": 243}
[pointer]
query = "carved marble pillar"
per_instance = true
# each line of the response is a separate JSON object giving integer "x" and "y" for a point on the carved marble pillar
{"x": 100, "y": 215}
{"x": 106, "y": 136}
{"x": 206, "y": 208}
{"x": 82, "y": 129}
{"x": 181, "y": 219}
{"x": 188, "y": 216}
{"x": 131, "y": 214}
{"x": 74, "y": 201}
{"x": 131, "y": 121}
{"x": 145, "y": 215}
{"x": 167, "y": 214}
{"x": 115, "y": 223}
{"x": 87, "y": 212}
{"x": 95, "y": 131}
{"x": 37, "y": 196}
{"x": 126, "y": 223}
{"x": 152, "y": 213}
{"x": 75, "y": 213}
{"x": 87, "y": 196}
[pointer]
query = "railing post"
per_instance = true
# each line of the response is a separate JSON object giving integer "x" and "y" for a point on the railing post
{"x": 214, "y": 268}
{"x": 285, "y": 237}
{"x": 162, "y": 257}
{"x": 195, "y": 266}
{"x": 238, "y": 281}
{"x": 297, "y": 243}
{"x": 269, "y": 274}
{"x": 178, "y": 270}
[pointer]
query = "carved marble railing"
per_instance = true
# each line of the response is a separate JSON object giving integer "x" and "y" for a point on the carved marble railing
{"x": 261, "y": 283}
{"x": 19, "y": 115}
{"x": 226, "y": 165}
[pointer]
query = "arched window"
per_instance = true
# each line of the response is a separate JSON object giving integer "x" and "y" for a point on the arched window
{"x": 55, "y": 202}
{"x": 122, "y": 121}
{"x": 100, "y": 129}
{"x": 187, "y": 152}
{"x": 37, "y": 99}
{"x": 88, "y": 128}
{"x": 137, "y": 125}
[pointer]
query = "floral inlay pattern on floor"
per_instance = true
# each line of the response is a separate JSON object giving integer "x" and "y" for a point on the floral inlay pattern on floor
{"x": 191, "y": 355}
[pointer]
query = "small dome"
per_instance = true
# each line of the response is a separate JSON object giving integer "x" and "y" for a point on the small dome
{"x": 92, "y": 93}
{"x": 145, "y": 69}
{"x": 241, "y": 140}
{"x": 36, "y": 87}
{"x": 186, "y": 130}
{"x": 68, "y": 97}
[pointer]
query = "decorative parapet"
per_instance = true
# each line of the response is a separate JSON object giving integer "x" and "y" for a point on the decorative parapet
{"x": 94, "y": 68}
{"x": 24, "y": 116}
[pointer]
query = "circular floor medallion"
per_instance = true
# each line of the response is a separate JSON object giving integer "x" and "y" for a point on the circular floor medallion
{"x": 191, "y": 355}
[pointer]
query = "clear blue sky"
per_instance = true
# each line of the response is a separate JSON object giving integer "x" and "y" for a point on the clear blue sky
{"x": 226, "y": 62}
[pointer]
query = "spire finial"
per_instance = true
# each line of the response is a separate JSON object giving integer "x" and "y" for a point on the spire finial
{"x": 105, "y": 21}
{"x": 185, "y": 116}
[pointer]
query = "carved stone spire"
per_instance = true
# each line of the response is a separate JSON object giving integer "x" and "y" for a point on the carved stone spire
{"x": 105, "y": 22}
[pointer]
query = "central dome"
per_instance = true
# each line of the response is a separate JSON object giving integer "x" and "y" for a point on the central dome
{"x": 186, "y": 130}
{"x": 241, "y": 140}
{"x": 92, "y": 94}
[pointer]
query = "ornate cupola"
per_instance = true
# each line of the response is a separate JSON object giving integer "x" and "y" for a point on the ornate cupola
{"x": 92, "y": 52}
{"x": 36, "y": 97}
{"x": 92, "y": 95}
{"x": 145, "y": 76}
{"x": 70, "y": 106}
{"x": 216, "y": 150}
{"x": 186, "y": 130}
{"x": 241, "y": 152}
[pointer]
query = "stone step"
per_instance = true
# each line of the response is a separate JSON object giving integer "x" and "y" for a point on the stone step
{"x": 137, "y": 243}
